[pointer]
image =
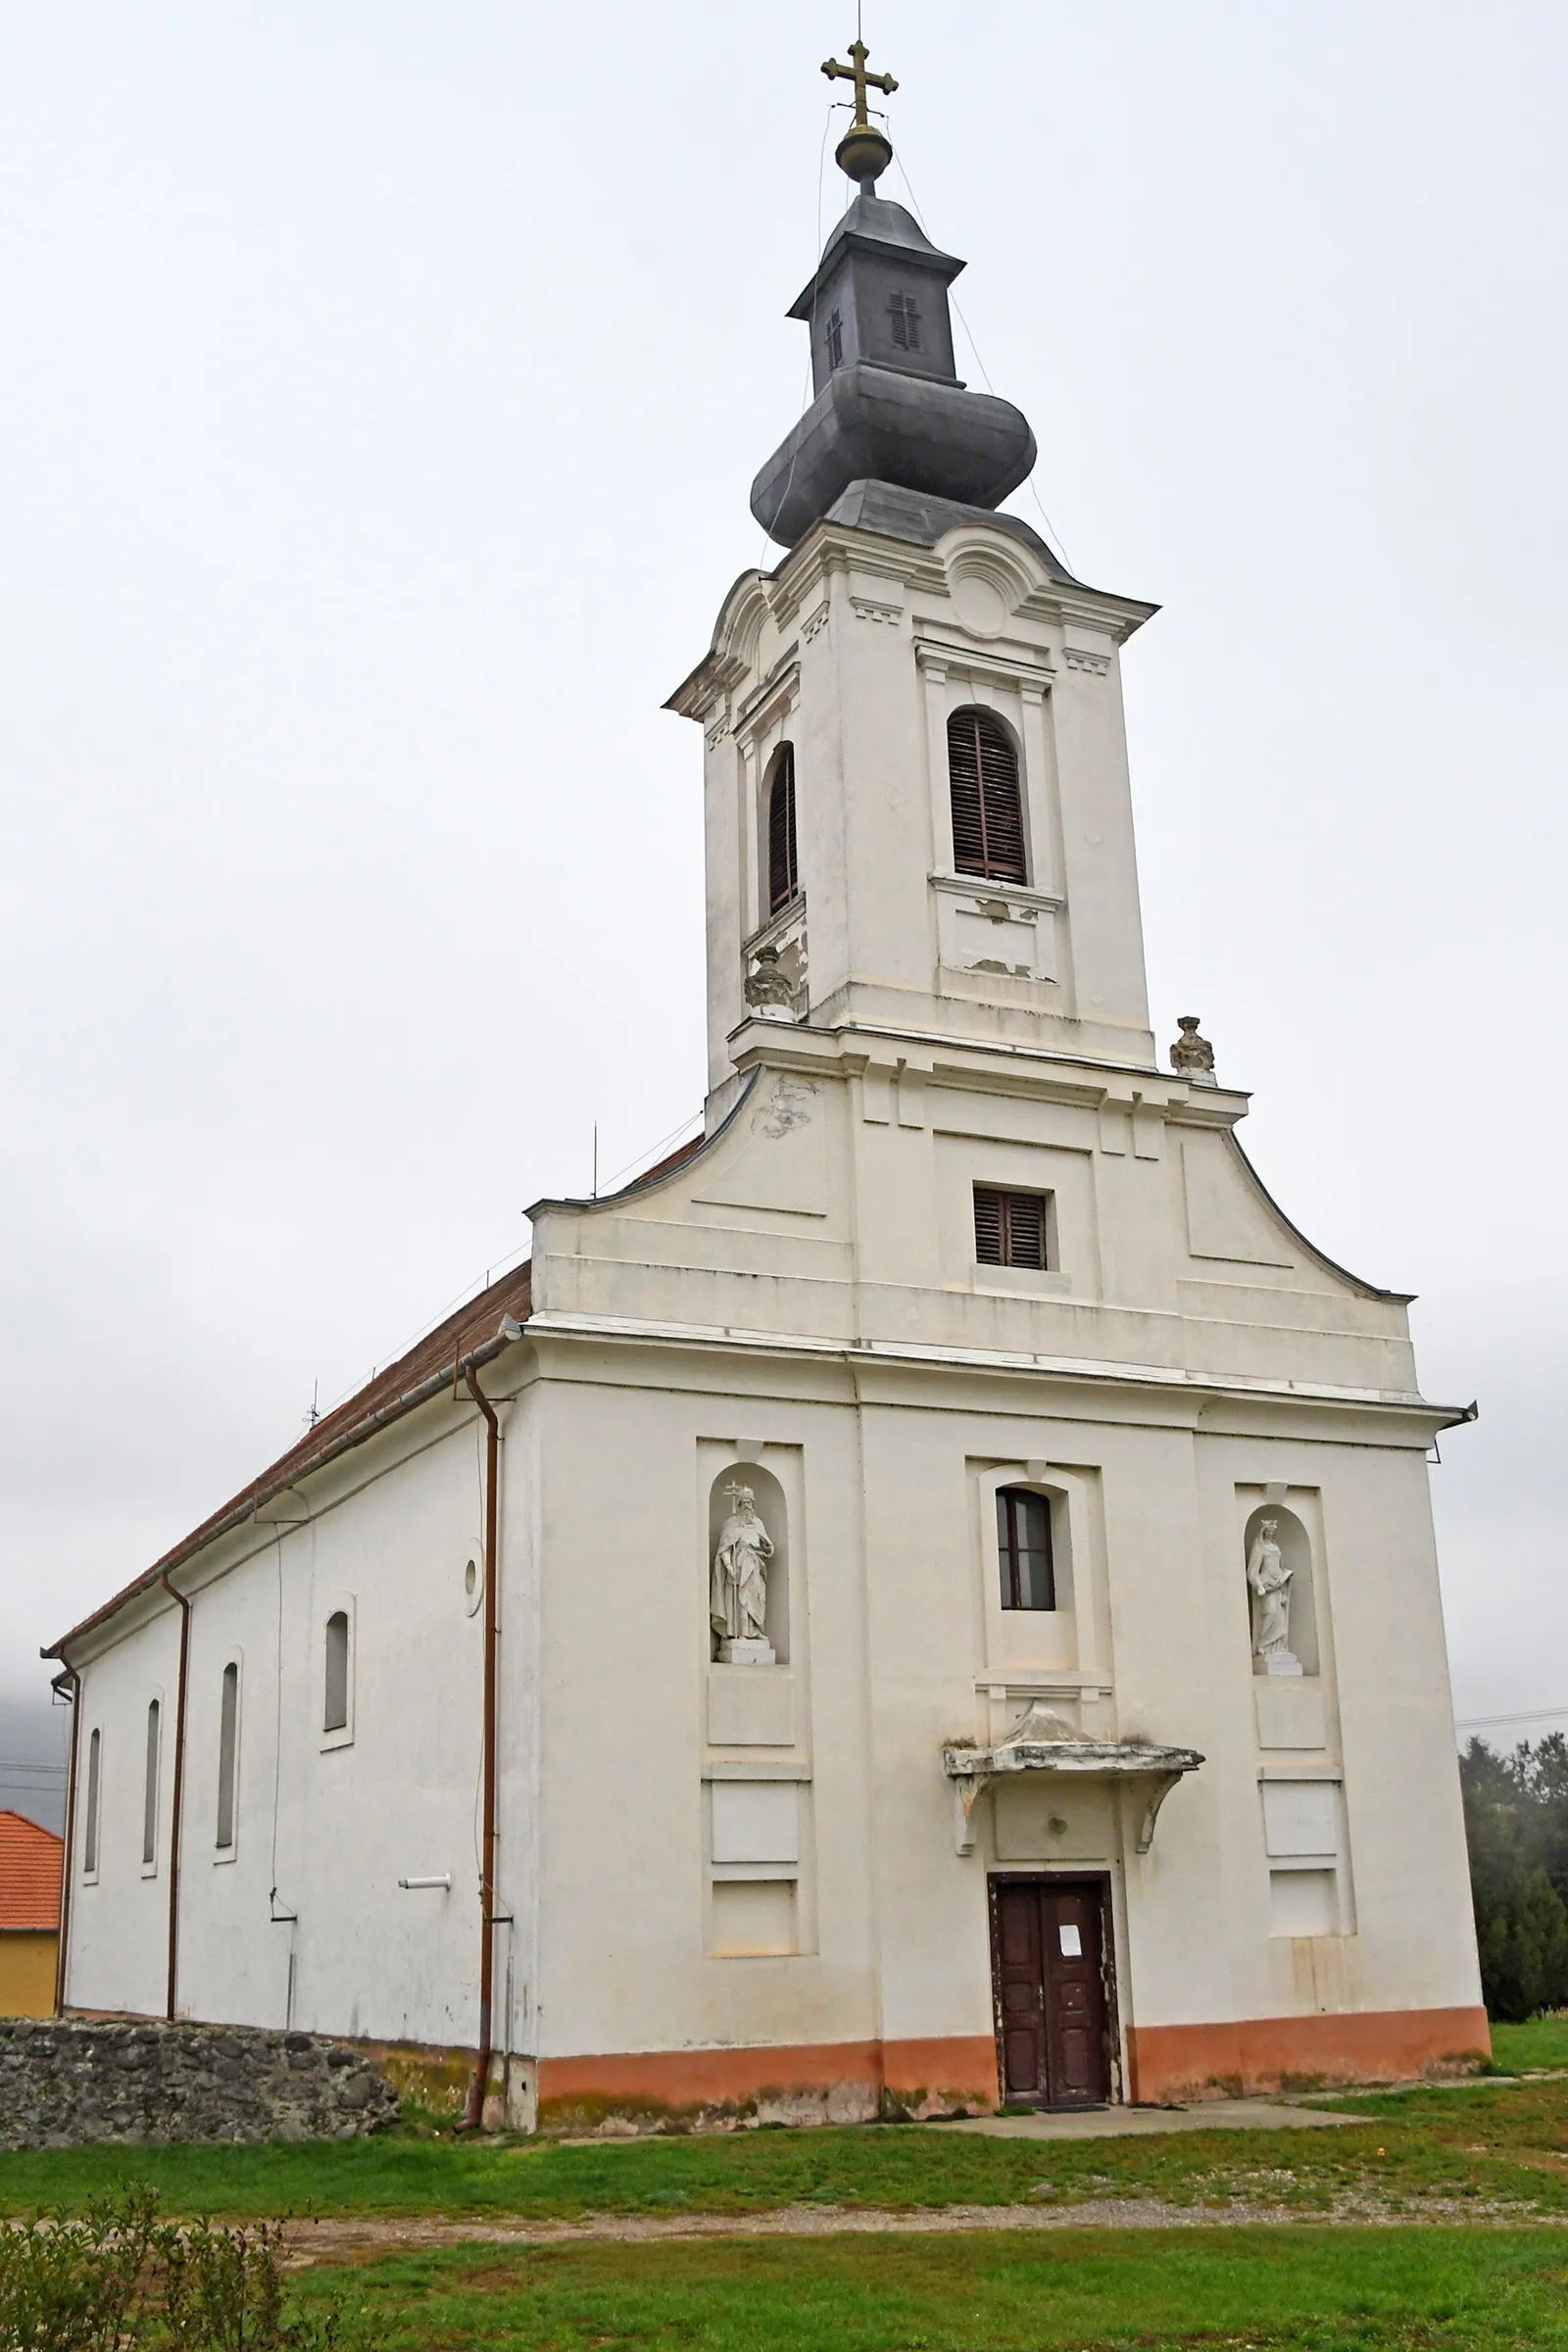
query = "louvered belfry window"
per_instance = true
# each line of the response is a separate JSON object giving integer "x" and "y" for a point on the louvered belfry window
{"x": 783, "y": 880}
{"x": 987, "y": 811}
{"x": 1012, "y": 1229}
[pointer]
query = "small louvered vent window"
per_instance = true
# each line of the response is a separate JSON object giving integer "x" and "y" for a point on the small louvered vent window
{"x": 987, "y": 811}
{"x": 782, "y": 877}
{"x": 1012, "y": 1229}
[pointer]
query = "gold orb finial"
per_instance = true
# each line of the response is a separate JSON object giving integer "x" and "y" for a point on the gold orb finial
{"x": 865, "y": 152}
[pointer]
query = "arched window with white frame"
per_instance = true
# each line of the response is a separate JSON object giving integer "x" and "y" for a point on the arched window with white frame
{"x": 227, "y": 1757}
{"x": 90, "y": 1827}
{"x": 149, "y": 1792}
{"x": 335, "y": 1707}
{"x": 1025, "y": 1550}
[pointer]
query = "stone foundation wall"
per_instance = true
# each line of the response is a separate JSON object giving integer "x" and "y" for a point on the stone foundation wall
{"x": 65, "y": 2083}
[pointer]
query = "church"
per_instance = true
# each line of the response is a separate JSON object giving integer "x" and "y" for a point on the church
{"x": 925, "y": 1600}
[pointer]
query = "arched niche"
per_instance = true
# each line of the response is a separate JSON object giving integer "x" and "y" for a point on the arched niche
{"x": 1295, "y": 1552}
{"x": 769, "y": 1498}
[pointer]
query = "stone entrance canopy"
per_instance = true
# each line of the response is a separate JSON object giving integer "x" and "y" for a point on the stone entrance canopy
{"x": 1043, "y": 1742}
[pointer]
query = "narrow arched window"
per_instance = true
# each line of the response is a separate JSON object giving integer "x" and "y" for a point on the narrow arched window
{"x": 1023, "y": 1549}
{"x": 335, "y": 1713}
{"x": 987, "y": 809}
{"x": 228, "y": 1756}
{"x": 149, "y": 1794}
{"x": 90, "y": 1841}
{"x": 783, "y": 878}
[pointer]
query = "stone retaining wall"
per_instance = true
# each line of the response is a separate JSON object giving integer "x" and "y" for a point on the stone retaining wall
{"x": 66, "y": 2082}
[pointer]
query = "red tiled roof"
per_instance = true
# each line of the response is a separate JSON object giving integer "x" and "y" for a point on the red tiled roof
{"x": 399, "y": 1389}
{"x": 29, "y": 1874}
{"x": 671, "y": 1162}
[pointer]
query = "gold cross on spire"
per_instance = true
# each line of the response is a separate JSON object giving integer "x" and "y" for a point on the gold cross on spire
{"x": 856, "y": 71}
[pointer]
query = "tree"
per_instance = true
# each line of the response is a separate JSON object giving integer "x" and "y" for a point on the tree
{"x": 1516, "y": 1822}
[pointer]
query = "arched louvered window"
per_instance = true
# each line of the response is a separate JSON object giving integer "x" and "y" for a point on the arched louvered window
{"x": 987, "y": 811}
{"x": 783, "y": 876}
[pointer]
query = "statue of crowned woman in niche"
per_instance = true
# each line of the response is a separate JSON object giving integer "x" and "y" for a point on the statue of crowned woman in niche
{"x": 737, "y": 1599}
{"x": 1270, "y": 1581}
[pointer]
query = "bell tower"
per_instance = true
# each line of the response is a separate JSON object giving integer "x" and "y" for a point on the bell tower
{"x": 919, "y": 818}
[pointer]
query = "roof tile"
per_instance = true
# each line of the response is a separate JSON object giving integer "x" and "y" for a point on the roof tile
{"x": 29, "y": 1874}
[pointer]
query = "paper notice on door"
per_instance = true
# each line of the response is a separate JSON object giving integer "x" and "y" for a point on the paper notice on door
{"x": 1072, "y": 1943}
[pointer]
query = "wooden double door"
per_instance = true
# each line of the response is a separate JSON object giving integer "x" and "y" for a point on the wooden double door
{"x": 1051, "y": 1969}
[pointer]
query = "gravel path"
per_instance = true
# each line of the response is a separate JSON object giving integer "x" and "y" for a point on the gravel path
{"x": 342, "y": 2238}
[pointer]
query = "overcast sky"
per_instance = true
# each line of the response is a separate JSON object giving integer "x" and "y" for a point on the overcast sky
{"x": 384, "y": 384}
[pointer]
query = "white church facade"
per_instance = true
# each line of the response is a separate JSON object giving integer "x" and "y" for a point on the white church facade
{"x": 927, "y": 1599}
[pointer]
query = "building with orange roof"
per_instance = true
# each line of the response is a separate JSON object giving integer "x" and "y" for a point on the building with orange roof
{"x": 29, "y": 1916}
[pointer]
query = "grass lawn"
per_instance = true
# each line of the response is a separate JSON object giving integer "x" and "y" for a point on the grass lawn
{"x": 1496, "y": 2144}
{"x": 1491, "y": 2147}
{"x": 1544, "y": 2041}
{"x": 1421, "y": 2290}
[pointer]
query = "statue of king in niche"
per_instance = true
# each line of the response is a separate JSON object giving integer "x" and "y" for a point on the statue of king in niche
{"x": 737, "y": 1604}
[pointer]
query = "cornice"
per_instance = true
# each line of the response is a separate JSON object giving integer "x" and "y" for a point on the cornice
{"x": 1046, "y": 599}
{"x": 1087, "y": 1372}
{"x": 1033, "y": 669}
{"x": 1010, "y": 894}
{"x": 732, "y": 649}
{"x": 756, "y": 709}
{"x": 830, "y": 548}
{"x": 997, "y": 1066}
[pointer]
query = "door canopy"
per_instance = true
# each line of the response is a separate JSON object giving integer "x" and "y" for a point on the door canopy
{"x": 1043, "y": 1742}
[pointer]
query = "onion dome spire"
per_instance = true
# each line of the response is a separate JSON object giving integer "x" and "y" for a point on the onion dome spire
{"x": 890, "y": 428}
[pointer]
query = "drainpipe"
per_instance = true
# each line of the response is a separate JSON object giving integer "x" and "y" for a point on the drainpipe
{"x": 473, "y": 2112}
{"x": 178, "y": 1809}
{"x": 72, "y": 1677}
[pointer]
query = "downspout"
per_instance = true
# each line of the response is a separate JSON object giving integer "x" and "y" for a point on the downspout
{"x": 178, "y": 1809}
{"x": 72, "y": 1677}
{"x": 473, "y": 2112}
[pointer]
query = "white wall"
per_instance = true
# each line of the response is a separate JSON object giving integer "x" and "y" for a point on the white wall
{"x": 898, "y": 1594}
{"x": 119, "y": 1921}
{"x": 332, "y": 1823}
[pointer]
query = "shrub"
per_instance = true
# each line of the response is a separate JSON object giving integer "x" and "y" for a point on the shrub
{"x": 116, "y": 2277}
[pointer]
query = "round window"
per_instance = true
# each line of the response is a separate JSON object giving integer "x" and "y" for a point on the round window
{"x": 472, "y": 1584}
